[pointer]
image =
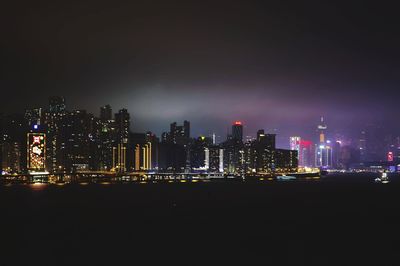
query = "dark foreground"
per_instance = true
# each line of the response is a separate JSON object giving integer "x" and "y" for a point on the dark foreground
{"x": 340, "y": 221}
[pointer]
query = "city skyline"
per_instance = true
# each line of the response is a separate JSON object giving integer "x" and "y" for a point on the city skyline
{"x": 271, "y": 65}
{"x": 60, "y": 140}
{"x": 183, "y": 132}
{"x": 307, "y": 131}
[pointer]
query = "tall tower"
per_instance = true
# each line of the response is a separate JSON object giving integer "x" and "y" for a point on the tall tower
{"x": 323, "y": 150}
{"x": 321, "y": 128}
{"x": 56, "y": 122}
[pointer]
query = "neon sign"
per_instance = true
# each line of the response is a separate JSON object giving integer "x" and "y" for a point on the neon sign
{"x": 36, "y": 151}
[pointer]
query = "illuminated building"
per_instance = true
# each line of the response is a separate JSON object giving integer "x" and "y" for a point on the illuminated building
{"x": 154, "y": 141}
{"x": 78, "y": 136}
{"x": 107, "y": 138}
{"x": 137, "y": 157}
{"x": 234, "y": 160}
{"x": 205, "y": 156}
{"x": 147, "y": 158}
{"x": 323, "y": 150}
{"x": 234, "y": 153}
{"x": 304, "y": 151}
{"x": 122, "y": 126}
{"x": 119, "y": 158}
{"x": 295, "y": 143}
{"x": 214, "y": 162}
{"x": 323, "y": 155}
{"x": 122, "y": 123}
{"x": 321, "y": 128}
{"x": 179, "y": 134}
{"x": 137, "y": 142}
{"x": 143, "y": 157}
{"x": 34, "y": 116}
{"x": 13, "y": 143}
{"x": 145, "y": 151}
{"x": 259, "y": 153}
{"x": 285, "y": 160}
{"x": 262, "y": 156}
{"x": 198, "y": 153}
{"x": 54, "y": 121}
{"x": 36, "y": 152}
{"x": 237, "y": 131}
{"x": 11, "y": 157}
{"x": 264, "y": 147}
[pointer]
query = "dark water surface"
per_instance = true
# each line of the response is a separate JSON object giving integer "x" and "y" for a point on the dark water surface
{"x": 339, "y": 220}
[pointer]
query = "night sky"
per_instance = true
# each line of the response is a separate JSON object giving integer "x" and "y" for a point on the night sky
{"x": 277, "y": 65}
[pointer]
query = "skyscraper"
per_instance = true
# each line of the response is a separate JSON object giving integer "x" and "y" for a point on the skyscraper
{"x": 122, "y": 121}
{"x": 294, "y": 143}
{"x": 285, "y": 160}
{"x": 180, "y": 134}
{"x": 108, "y": 139}
{"x": 237, "y": 131}
{"x": 105, "y": 113}
{"x": 264, "y": 147}
{"x": 199, "y": 153}
{"x": 305, "y": 153}
{"x": 323, "y": 150}
{"x": 234, "y": 160}
{"x": 304, "y": 150}
{"x": 76, "y": 135}
{"x": 321, "y": 128}
{"x": 11, "y": 154}
{"x": 13, "y": 140}
{"x": 54, "y": 121}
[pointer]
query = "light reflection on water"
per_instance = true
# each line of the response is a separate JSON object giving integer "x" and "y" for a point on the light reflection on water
{"x": 38, "y": 186}
{"x": 337, "y": 178}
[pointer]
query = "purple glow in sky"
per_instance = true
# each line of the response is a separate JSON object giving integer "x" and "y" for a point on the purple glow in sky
{"x": 277, "y": 66}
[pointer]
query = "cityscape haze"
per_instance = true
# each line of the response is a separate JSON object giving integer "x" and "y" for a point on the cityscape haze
{"x": 199, "y": 132}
